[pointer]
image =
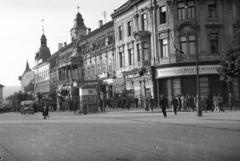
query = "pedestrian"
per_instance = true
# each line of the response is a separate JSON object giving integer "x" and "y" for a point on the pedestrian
{"x": 163, "y": 104}
{"x": 147, "y": 100}
{"x": 215, "y": 102}
{"x": 174, "y": 104}
{"x": 220, "y": 101}
{"x": 45, "y": 111}
{"x": 151, "y": 101}
{"x": 183, "y": 101}
{"x": 136, "y": 102}
{"x": 179, "y": 103}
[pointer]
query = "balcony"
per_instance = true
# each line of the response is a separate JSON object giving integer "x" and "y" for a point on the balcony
{"x": 185, "y": 58}
{"x": 69, "y": 61}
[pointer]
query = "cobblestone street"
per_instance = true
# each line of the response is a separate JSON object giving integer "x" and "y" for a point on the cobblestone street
{"x": 121, "y": 136}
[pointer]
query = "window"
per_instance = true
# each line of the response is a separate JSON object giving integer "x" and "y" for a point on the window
{"x": 121, "y": 59}
{"x": 212, "y": 9}
{"x": 191, "y": 9}
{"x": 214, "y": 43}
{"x": 181, "y": 10}
{"x": 164, "y": 48}
{"x": 144, "y": 21}
{"x": 192, "y": 44}
{"x": 130, "y": 56}
{"x": 120, "y": 32}
{"x": 146, "y": 51}
{"x": 129, "y": 28}
{"x": 138, "y": 52}
{"x": 186, "y": 9}
{"x": 188, "y": 44}
{"x": 163, "y": 15}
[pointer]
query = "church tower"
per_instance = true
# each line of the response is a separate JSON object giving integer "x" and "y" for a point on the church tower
{"x": 44, "y": 53}
{"x": 79, "y": 29}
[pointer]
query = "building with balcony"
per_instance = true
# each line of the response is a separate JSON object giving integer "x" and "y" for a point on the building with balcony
{"x": 185, "y": 29}
{"x": 42, "y": 69}
{"x": 98, "y": 52}
{"x": 134, "y": 43}
{"x": 69, "y": 64}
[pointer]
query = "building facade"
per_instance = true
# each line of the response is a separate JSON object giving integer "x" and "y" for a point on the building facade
{"x": 134, "y": 43}
{"x": 98, "y": 52}
{"x": 42, "y": 69}
{"x": 186, "y": 29}
{"x": 27, "y": 79}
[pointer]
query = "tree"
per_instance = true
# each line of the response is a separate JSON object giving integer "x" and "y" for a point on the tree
{"x": 230, "y": 65}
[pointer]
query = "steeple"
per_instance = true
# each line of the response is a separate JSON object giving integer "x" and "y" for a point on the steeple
{"x": 44, "y": 52}
{"x": 27, "y": 67}
{"x": 43, "y": 38}
{"x": 79, "y": 29}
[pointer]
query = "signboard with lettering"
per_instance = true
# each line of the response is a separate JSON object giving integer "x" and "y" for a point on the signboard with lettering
{"x": 186, "y": 70}
{"x": 87, "y": 92}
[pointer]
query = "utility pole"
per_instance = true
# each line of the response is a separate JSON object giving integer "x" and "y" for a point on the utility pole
{"x": 199, "y": 109}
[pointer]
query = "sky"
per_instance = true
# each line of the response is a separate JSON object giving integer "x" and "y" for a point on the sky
{"x": 21, "y": 29}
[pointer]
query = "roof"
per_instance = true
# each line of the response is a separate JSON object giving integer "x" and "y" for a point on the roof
{"x": 125, "y": 7}
{"x": 98, "y": 30}
{"x": 1, "y": 85}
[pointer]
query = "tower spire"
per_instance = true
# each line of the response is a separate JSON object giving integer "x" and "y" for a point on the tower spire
{"x": 43, "y": 25}
{"x": 78, "y": 7}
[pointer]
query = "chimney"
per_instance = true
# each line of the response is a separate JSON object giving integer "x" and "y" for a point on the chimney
{"x": 100, "y": 23}
{"x": 60, "y": 45}
{"x": 65, "y": 44}
{"x": 89, "y": 30}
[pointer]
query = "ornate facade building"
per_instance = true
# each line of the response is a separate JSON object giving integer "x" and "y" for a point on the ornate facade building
{"x": 97, "y": 50}
{"x": 134, "y": 30}
{"x": 42, "y": 69}
{"x": 191, "y": 29}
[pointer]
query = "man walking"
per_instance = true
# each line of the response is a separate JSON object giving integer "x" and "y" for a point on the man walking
{"x": 163, "y": 104}
{"x": 175, "y": 104}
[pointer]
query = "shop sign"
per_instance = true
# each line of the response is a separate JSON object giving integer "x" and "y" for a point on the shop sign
{"x": 103, "y": 75}
{"x": 187, "y": 70}
{"x": 88, "y": 92}
{"x": 108, "y": 81}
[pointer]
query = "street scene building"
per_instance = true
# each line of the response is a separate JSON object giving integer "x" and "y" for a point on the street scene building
{"x": 150, "y": 48}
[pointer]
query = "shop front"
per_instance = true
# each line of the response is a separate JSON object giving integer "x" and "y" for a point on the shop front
{"x": 138, "y": 85}
{"x": 181, "y": 81}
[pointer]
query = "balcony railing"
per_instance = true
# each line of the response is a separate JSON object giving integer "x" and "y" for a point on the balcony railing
{"x": 186, "y": 58}
{"x": 69, "y": 61}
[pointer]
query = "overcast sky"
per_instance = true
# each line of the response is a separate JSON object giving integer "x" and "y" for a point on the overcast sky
{"x": 21, "y": 29}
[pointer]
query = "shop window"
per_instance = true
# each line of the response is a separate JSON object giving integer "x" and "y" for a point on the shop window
{"x": 188, "y": 44}
{"x": 129, "y": 24}
{"x": 164, "y": 48}
{"x": 214, "y": 43}
{"x": 144, "y": 22}
{"x": 120, "y": 32}
{"x": 163, "y": 15}
{"x": 212, "y": 9}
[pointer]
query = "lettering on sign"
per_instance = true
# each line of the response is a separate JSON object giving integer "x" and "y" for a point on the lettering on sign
{"x": 187, "y": 70}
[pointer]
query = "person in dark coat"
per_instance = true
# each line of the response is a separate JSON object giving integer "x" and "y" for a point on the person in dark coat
{"x": 136, "y": 102}
{"x": 45, "y": 111}
{"x": 151, "y": 102}
{"x": 175, "y": 104}
{"x": 163, "y": 104}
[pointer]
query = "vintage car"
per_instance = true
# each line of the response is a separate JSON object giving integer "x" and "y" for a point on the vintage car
{"x": 26, "y": 107}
